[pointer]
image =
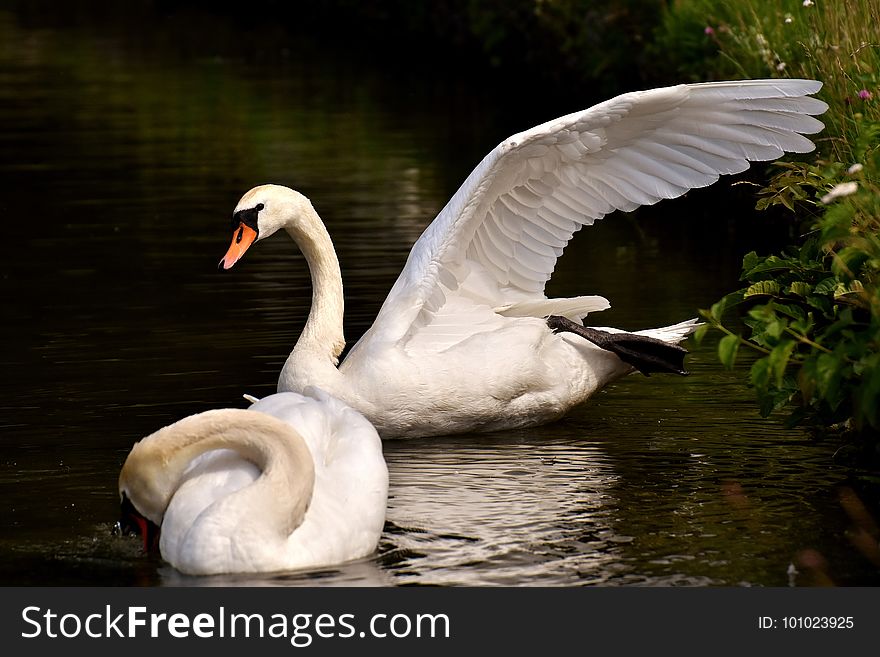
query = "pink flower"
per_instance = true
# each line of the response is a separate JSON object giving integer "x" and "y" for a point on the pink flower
{"x": 864, "y": 94}
{"x": 709, "y": 30}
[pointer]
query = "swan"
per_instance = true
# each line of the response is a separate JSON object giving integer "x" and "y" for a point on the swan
{"x": 294, "y": 481}
{"x": 466, "y": 339}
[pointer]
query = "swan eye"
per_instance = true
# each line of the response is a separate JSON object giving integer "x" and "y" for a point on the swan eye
{"x": 247, "y": 217}
{"x": 259, "y": 207}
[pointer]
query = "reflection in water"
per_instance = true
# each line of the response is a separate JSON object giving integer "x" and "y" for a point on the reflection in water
{"x": 122, "y": 157}
{"x": 508, "y": 513}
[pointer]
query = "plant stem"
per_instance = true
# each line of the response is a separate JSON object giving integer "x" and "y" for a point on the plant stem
{"x": 807, "y": 341}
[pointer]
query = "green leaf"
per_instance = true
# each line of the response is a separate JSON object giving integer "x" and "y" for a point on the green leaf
{"x": 700, "y": 333}
{"x": 820, "y": 303}
{"x": 826, "y": 286}
{"x": 807, "y": 380}
{"x": 750, "y": 261}
{"x": 759, "y": 375}
{"x": 828, "y": 371}
{"x": 855, "y": 288}
{"x": 849, "y": 261}
{"x": 790, "y": 310}
{"x": 809, "y": 253}
{"x": 775, "y": 328}
{"x": 771, "y": 264}
{"x": 773, "y": 400}
{"x": 800, "y": 288}
{"x": 727, "y": 348}
{"x": 769, "y": 288}
{"x": 778, "y": 360}
{"x": 804, "y": 326}
{"x": 717, "y": 310}
{"x": 837, "y": 223}
{"x": 763, "y": 313}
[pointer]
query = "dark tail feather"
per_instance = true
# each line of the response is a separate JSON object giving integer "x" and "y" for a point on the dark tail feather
{"x": 647, "y": 355}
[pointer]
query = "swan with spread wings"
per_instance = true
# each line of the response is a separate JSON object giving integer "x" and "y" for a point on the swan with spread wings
{"x": 466, "y": 339}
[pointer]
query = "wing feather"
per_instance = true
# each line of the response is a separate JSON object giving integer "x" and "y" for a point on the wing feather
{"x": 496, "y": 242}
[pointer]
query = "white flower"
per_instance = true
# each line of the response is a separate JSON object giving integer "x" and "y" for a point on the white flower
{"x": 808, "y": 3}
{"x": 780, "y": 66}
{"x": 855, "y": 168}
{"x": 788, "y": 19}
{"x": 841, "y": 189}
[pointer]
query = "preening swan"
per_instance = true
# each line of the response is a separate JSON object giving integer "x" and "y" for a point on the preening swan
{"x": 466, "y": 339}
{"x": 292, "y": 482}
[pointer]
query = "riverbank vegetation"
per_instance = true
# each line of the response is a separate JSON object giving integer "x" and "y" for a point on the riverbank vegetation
{"x": 811, "y": 312}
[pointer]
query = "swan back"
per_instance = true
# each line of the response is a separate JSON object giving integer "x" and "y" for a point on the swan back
{"x": 351, "y": 477}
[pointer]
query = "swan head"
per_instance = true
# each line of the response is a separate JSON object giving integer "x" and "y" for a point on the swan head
{"x": 143, "y": 478}
{"x": 260, "y": 213}
{"x": 140, "y": 479}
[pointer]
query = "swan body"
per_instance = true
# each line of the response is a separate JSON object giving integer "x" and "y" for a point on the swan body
{"x": 294, "y": 481}
{"x": 461, "y": 343}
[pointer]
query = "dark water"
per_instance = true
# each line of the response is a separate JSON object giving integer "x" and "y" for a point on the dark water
{"x": 124, "y": 146}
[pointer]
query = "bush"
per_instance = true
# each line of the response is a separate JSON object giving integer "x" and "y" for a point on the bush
{"x": 812, "y": 312}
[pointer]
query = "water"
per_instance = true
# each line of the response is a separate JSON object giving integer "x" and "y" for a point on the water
{"x": 124, "y": 147}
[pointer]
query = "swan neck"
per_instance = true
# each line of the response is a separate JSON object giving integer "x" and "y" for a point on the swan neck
{"x": 156, "y": 466}
{"x": 322, "y": 335}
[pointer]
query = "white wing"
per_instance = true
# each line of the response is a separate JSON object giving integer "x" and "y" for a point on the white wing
{"x": 494, "y": 246}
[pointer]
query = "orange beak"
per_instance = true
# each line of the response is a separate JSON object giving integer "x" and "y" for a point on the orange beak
{"x": 242, "y": 238}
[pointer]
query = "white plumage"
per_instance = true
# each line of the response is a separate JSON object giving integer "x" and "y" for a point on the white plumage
{"x": 460, "y": 343}
{"x": 293, "y": 482}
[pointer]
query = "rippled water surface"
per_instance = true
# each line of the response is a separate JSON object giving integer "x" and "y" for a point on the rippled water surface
{"x": 123, "y": 150}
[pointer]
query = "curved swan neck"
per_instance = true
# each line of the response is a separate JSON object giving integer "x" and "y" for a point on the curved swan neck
{"x": 156, "y": 465}
{"x": 322, "y": 335}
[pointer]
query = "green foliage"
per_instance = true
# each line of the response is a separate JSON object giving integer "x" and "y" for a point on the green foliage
{"x": 812, "y": 312}
{"x": 835, "y": 41}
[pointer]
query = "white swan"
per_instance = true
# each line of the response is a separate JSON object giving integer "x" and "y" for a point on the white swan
{"x": 292, "y": 482}
{"x": 462, "y": 342}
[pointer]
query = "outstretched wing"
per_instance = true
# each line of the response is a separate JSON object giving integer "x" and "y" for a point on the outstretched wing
{"x": 494, "y": 246}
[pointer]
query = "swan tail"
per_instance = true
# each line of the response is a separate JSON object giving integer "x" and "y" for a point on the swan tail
{"x": 574, "y": 308}
{"x": 675, "y": 333}
{"x": 646, "y": 353}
